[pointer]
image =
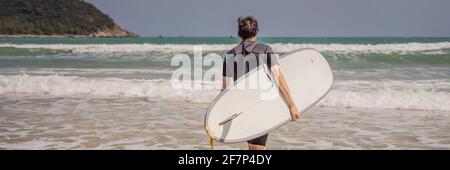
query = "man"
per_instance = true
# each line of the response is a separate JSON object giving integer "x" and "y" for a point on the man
{"x": 236, "y": 64}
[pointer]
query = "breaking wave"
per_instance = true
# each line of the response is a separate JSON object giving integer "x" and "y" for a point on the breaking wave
{"x": 429, "y": 48}
{"x": 388, "y": 94}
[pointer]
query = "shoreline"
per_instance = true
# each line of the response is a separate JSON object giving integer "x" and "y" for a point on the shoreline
{"x": 165, "y": 37}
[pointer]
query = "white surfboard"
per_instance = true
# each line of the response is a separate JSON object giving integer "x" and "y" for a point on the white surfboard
{"x": 246, "y": 111}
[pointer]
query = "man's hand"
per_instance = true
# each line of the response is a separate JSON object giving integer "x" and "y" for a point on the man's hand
{"x": 294, "y": 113}
{"x": 279, "y": 77}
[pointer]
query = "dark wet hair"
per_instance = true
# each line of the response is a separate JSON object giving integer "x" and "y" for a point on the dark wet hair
{"x": 247, "y": 27}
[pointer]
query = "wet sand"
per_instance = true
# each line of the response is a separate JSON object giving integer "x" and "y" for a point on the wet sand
{"x": 83, "y": 122}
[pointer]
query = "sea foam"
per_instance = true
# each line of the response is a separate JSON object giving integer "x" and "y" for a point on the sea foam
{"x": 388, "y": 94}
{"x": 278, "y": 47}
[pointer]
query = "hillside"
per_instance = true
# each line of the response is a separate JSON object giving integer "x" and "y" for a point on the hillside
{"x": 56, "y": 18}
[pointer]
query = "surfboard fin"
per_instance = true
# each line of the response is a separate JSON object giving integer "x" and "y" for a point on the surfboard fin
{"x": 230, "y": 118}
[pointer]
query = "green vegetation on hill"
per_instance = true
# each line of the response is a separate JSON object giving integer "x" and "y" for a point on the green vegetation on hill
{"x": 55, "y": 17}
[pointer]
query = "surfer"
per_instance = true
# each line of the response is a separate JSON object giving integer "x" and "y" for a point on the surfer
{"x": 236, "y": 64}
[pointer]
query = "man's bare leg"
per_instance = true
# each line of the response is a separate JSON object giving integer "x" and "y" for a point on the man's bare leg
{"x": 256, "y": 147}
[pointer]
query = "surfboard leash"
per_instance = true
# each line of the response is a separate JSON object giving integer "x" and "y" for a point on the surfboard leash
{"x": 211, "y": 139}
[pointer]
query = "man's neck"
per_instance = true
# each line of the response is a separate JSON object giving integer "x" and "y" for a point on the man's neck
{"x": 251, "y": 39}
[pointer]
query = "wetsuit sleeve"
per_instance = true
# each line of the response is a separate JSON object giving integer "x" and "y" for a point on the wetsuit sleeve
{"x": 272, "y": 58}
{"x": 227, "y": 67}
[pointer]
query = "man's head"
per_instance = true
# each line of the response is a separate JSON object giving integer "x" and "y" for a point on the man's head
{"x": 247, "y": 27}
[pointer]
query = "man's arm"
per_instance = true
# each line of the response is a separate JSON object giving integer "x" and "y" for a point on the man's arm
{"x": 225, "y": 81}
{"x": 279, "y": 77}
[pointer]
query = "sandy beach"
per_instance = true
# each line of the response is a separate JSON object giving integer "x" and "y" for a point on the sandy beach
{"x": 30, "y": 122}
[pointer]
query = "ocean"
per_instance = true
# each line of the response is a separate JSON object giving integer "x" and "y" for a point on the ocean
{"x": 116, "y": 93}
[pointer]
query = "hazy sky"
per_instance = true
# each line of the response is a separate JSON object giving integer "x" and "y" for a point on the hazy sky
{"x": 282, "y": 17}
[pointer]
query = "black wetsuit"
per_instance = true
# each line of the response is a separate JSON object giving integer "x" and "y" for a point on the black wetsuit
{"x": 236, "y": 65}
